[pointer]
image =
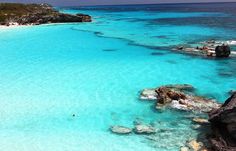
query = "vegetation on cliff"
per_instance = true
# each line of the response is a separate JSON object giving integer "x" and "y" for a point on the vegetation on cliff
{"x": 25, "y": 14}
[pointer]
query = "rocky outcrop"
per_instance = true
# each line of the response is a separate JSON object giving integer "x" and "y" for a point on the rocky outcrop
{"x": 223, "y": 122}
{"x": 179, "y": 97}
{"x": 211, "y": 48}
{"x": 120, "y": 130}
{"x": 222, "y": 51}
{"x": 35, "y": 14}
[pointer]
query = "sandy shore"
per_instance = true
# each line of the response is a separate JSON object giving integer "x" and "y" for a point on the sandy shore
{"x": 2, "y": 27}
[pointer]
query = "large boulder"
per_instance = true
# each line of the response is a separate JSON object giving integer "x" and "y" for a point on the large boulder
{"x": 223, "y": 122}
{"x": 222, "y": 51}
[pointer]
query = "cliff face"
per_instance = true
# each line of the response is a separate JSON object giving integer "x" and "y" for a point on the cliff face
{"x": 223, "y": 122}
{"x": 25, "y": 14}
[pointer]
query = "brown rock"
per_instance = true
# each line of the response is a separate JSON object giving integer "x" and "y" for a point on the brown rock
{"x": 166, "y": 95}
{"x": 223, "y": 123}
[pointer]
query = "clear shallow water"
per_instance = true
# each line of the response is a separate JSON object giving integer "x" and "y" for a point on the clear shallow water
{"x": 95, "y": 71}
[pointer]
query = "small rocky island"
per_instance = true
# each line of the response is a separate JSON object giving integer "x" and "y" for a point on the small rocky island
{"x": 210, "y": 49}
{"x": 218, "y": 133}
{"x": 180, "y": 97}
{"x": 35, "y": 14}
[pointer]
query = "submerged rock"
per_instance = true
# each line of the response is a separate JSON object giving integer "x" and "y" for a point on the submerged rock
{"x": 195, "y": 145}
{"x": 181, "y": 87}
{"x": 184, "y": 149}
{"x": 144, "y": 129}
{"x": 195, "y": 127}
{"x": 222, "y": 51}
{"x": 120, "y": 130}
{"x": 223, "y": 123}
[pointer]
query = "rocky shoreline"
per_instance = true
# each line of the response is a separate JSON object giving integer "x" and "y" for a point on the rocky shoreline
{"x": 222, "y": 118}
{"x": 218, "y": 133}
{"x": 36, "y": 14}
{"x": 223, "y": 123}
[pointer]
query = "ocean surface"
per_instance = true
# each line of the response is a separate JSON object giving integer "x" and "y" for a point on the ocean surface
{"x": 96, "y": 71}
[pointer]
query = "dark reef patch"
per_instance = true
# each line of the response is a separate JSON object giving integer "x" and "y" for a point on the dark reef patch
{"x": 161, "y": 37}
{"x": 109, "y": 50}
{"x": 171, "y": 61}
{"x": 209, "y": 78}
{"x": 157, "y": 54}
{"x": 98, "y": 33}
{"x": 230, "y": 71}
{"x": 131, "y": 43}
{"x": 225, "y": 74}
{"x": 211, "y": 21}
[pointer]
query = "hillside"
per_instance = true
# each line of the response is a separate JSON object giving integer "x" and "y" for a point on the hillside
{"x": 25, "y": 14}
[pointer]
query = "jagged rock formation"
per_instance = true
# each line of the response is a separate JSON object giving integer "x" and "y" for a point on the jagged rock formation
{"x": 223, "y": 122}
{"x": 35, "y": 14}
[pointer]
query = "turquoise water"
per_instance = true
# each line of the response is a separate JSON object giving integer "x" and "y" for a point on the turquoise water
{"x": 95, "y": 71}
